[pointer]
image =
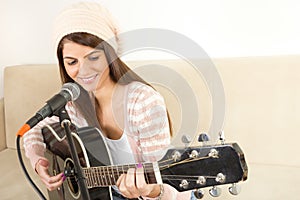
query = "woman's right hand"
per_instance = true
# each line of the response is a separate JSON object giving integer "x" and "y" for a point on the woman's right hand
{"x": 51, "y": 182}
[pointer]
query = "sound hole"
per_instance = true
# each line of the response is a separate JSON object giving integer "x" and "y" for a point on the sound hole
{"x": 71, "y": 181}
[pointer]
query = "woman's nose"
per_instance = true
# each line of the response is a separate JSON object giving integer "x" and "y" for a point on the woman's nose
{"x": 82, "y": 66}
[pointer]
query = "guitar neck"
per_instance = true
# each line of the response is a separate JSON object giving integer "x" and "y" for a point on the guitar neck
{"x": 183, "y": 169}
{"x": 104, "y": 176}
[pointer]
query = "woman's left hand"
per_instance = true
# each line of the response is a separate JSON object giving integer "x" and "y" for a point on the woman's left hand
{"x": 133, "y": 184}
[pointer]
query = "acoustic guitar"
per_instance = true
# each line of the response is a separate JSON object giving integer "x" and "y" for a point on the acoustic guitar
{"x": 183, "y": 168}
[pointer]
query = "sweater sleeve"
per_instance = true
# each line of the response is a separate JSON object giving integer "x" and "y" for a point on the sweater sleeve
{"x": 149, "y": 121}
{"x": 33, "y": 141}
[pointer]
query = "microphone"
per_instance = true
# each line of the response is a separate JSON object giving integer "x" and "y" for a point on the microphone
{"x": 69, "y": 92}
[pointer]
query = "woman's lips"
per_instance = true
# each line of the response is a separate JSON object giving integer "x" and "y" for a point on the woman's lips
{"x": 88, "y": 80}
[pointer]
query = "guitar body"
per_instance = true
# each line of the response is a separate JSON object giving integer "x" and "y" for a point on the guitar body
{"x": 92, "y": 151}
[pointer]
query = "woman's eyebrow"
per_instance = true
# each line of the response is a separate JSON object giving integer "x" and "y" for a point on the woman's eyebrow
{"x": 68, "y": 57}
{"x": 94, "y": 51}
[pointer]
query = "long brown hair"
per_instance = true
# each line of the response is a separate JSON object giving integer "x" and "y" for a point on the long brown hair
{"x": 118, "y": 70}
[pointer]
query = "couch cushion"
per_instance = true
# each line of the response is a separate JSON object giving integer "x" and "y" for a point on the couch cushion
{"x": 26, "y": 88}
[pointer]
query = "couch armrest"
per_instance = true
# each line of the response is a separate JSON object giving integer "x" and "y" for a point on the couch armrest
{"x": 2, "y": 126}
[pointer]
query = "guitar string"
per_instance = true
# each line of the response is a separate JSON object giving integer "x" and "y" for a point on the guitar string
{"x": 92, "y": 182}
{"x": 150, "y": 167}
{"x": 147, "y": 165}
{"x": 164, "y": 177}
{"x": 184, "y": 176}
{"x": 112, "y": 173}
{"x": 112, "y": 167}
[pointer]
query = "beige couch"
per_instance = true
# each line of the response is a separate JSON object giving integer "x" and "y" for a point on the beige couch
{"x": 262, "y": 115}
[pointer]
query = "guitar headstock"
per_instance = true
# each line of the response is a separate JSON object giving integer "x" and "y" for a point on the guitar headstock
{"x": 199, "y": 167}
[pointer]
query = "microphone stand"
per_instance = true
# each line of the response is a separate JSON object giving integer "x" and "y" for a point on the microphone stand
{"x": 65, "y": 122}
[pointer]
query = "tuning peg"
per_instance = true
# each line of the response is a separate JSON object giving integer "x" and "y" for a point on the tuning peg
{"x": 199, "y": 194}
{"x": 176, "y": 156}
{"x": 203, "y": 137}
{"x": 222, "y": 136}
{"x": 213, "y": 153}
{"x": 184, "y": 184}
{"x": 201, "y": 180}
{"x": 221, "y": 178}
{"x": 215, "y": 191}
{"x": 186, "y": 140}
{"x": 234, "y": 189}
{"x": 194, "y": 154}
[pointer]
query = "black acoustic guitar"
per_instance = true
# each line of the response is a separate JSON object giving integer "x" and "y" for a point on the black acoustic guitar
{"x": 183, "y": 168}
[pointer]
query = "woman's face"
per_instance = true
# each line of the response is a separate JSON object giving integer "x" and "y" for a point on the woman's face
{"x": 85, "y": 65}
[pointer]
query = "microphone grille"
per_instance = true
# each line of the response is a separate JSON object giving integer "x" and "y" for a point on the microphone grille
{"x": 72, "y": 89}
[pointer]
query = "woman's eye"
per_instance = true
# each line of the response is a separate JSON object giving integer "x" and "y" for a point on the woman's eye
{"x": 73, "y": 62}
{"x": 93, "y": 58}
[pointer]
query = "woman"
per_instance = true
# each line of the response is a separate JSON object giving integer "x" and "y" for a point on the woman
{"x": 130, "y": 114}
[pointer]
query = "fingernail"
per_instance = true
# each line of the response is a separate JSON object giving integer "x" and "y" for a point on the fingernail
{"x": 140, "y": 165}
{"x": 64, "y": 177}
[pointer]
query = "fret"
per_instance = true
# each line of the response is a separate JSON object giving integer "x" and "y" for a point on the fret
{"x": 99, "y": 177}
{"x": 118, "y": 174}
{"x": 108, "y": 175}
{"x": 95, "y": 176}
{"x": 87, "y": 175}
{"x": 92, "y": 177}
{"x": 96, "y": 183}
{"x": 149, "y": 173}
{"x": 145, "y": 173}
{"x": 113, "y": 175}
{"x": 103, "y": 174}
{"x": 89, "y": 178}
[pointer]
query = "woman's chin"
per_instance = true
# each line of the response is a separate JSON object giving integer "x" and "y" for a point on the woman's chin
{"x": 90, "y": 87}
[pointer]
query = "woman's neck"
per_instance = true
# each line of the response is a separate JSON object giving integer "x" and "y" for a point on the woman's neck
{"x": 104, "y": 93}
{"x": 111, "y": 123}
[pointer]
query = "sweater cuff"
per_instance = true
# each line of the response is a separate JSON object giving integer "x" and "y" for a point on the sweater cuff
{"x": 33, "y": 156}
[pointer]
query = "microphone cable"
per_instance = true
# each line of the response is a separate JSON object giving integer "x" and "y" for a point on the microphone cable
{"x": 41, "y": 195}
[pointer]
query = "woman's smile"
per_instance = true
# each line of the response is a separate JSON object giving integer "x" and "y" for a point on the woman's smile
{"x": 88, "y": 80}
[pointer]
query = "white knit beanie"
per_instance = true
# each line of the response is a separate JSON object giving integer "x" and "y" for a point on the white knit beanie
{"x": 88, "y": 17}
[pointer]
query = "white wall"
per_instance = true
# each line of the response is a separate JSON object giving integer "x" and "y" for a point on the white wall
{"x": 230, "y": 28}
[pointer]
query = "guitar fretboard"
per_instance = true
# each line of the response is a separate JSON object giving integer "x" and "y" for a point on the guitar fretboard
{"x": 104, "y": 176}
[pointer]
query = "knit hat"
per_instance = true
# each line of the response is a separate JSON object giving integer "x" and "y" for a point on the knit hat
{"x": 88, "y": 17}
